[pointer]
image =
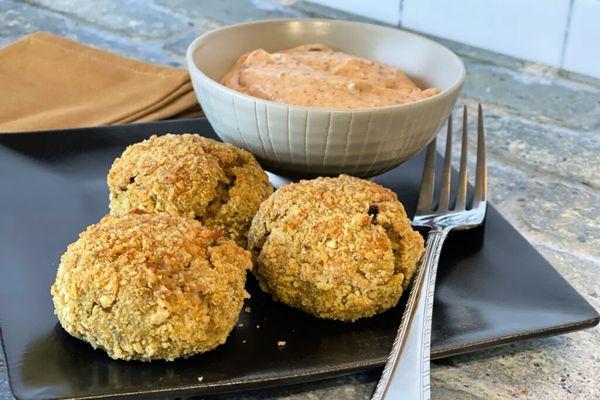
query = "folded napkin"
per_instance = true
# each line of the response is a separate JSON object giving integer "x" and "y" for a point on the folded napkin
{"x": 49, "y": 82}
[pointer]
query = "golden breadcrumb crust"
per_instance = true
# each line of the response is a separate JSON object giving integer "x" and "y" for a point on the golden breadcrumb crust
{"x": 191, "y": 176}
{"x": 339, "y": 248}
{"x": 150, "y": 286}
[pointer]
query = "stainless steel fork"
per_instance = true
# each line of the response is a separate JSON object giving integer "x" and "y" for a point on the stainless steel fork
{"x": 406, "y": 373}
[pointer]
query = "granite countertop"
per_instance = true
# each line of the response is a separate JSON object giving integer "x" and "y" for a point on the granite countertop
{"x": 543, "y": 130}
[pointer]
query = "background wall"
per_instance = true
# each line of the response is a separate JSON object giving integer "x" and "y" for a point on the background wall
{"x": 560, "y": 33}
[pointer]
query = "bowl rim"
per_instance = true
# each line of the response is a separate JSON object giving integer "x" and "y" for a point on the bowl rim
{"x": 193, "y": 68}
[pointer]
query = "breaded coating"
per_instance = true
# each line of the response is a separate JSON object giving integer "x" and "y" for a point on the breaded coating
{"x": 150, "y": 286}
{"x": 339, "y": 248}
{"x": 191, "y": 176}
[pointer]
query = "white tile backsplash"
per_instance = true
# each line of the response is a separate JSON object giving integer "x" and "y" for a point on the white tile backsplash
{"x": 529, "y": 29}
{"x": 560, "y": 33}
{"x": 582, "y": 52}
{"x": 387, "y": 11}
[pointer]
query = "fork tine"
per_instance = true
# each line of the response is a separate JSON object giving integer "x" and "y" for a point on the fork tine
{"x": 461, "y": 197}
{"x": 481, "y": 170}
{"x": 428, "y": 180}
{"x": 446, "y": 171}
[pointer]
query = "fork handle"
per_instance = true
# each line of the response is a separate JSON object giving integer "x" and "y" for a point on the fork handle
{"x": 406, "y": 373}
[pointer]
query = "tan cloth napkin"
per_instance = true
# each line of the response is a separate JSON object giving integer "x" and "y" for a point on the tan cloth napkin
{"x": 49, "y": 82}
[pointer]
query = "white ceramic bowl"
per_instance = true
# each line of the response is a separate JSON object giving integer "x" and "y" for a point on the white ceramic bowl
{"x": 298, "y": 140}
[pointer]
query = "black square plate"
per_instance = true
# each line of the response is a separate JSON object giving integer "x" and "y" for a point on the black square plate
{"x": 53, "y": 184}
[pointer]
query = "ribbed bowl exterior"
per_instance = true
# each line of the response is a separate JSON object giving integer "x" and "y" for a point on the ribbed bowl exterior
{"x": 308, "y": 141}
{"x": 305, "y": 141}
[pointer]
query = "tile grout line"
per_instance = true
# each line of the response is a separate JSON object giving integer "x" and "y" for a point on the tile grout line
{"x": 78, "y": 20}
{"x": 401, "y": 5}
{"x": 81, "y": 21}
{"x": 563, "y": 50}
{"x": 553, "y": 246}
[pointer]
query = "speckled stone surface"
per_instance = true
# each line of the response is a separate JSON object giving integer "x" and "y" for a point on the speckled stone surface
{"x": 544, "y": 142}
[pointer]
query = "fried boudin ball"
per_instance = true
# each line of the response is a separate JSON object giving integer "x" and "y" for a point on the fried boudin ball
{"x": 339, "y": 248}
{"x": 191, "y": 176}
{"x": 150, "y": 286}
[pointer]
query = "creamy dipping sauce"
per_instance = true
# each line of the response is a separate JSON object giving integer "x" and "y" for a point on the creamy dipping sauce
{"x": 315, "y": 75}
